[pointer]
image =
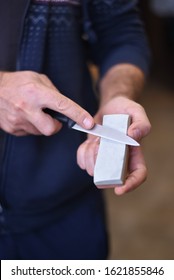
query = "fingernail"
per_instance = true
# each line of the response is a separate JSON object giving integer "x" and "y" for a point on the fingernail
{"x": 136, "y": 134}
{"x": 88, "y": 123}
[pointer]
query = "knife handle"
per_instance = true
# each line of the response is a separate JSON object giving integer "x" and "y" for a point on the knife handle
{"x": 60, "y": 117}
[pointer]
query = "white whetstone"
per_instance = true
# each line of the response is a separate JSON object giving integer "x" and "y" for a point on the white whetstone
{"x": 111, "y": 163}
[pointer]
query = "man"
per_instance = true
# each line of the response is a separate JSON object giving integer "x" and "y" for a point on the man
{"x": 50, "y": 208}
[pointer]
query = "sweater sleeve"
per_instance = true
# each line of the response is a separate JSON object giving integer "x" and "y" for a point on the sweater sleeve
{"x": 119, "y": 34}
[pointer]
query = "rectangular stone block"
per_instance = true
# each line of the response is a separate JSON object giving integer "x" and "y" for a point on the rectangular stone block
{"x": 111, "y": 163}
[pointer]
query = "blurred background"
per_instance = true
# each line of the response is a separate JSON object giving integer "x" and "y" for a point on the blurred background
{"x": 141, "y": 223}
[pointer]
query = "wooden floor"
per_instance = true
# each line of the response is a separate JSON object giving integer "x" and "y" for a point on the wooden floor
{"x": 141, "y": 223}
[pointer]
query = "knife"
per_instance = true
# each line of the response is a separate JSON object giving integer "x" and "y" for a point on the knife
{"x": 97, "y": 130}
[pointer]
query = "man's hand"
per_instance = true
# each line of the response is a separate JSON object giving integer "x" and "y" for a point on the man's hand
{"x": 24, "y": 95}
{"x": 140, "y": 127}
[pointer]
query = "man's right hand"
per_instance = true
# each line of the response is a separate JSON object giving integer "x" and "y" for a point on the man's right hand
{"x": 24, "y": 95}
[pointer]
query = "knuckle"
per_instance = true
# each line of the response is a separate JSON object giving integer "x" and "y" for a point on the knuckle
{"x": 148, "y": 129}
{"x": 90, "y": 171}
{"x": 15, "y": 116}
{"x": 137, "y": 106}
{"x": 30, "y": 88}
{"x": 63, "y": 103}
{"x": 13, "y": 120}
{"x": 9, "y": 129}
{"x": 49, "y": 130}
{"x": 19, "y": 106}
{"x": 43, "y": 76}
{"x": 81, "y": 154}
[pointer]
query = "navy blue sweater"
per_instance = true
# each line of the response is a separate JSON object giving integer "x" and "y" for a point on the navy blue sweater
{"x": 39, "y": 177}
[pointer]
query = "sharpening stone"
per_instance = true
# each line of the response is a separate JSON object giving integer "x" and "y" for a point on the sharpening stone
{"x": 111, "y": 163}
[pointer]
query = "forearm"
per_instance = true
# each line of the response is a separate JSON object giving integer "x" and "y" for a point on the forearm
{"x": 124, "y": 80}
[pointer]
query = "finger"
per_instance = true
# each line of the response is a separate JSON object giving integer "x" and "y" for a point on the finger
{"x": 134, "y": 180}
{"x": 69, "y": 108}
{"x": 137, "y": 172}
{"x": 81, "y": 155}
{"x": 44, "y": 123}
{"x": 140, "y": 126}
{"x": 20, "y": 133}
{"x": 20, "y": 129}
{"x": 91, "y": 154}
{"x": 87, "y": 153}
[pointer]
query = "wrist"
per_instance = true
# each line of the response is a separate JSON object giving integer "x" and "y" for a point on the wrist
{"x": 123, "y": 80}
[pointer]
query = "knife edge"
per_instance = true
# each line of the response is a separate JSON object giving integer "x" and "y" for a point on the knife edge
{"x": 108, "y": 133}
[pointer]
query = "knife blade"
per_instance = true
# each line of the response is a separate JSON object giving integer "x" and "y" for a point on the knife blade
{"x": 97, "y": 130}
{"x": 108, "y": 133}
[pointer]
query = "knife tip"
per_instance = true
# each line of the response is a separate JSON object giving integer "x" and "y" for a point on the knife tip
{"x": 135, "y": 143}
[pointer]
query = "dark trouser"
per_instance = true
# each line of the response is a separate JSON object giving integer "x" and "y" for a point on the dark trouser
{"x": 79, "y": 235}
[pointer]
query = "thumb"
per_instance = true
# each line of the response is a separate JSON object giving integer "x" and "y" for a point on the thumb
{"x": 137, "y": 130}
